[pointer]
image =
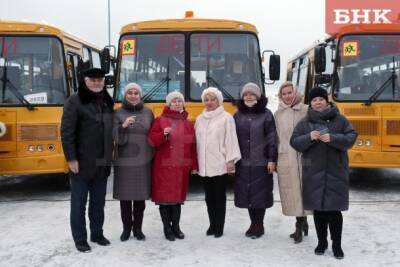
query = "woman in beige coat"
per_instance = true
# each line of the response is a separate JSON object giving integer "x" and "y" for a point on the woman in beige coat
{"x": 290, "y": 111}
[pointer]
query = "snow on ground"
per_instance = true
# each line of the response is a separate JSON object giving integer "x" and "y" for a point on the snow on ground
{"x": 37, "y": 233}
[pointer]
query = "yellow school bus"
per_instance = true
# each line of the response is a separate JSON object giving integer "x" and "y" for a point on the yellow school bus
{"x": 38, "y": 71}
{"x": 189, "y": 55}
{"x": 359, "y": 66}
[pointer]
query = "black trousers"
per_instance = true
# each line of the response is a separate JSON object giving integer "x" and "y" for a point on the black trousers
{"x": 132, "y": 214}
{"x": 331, "y": 219}
{"x": 80, "y": 189}
{"x": 215, "y": 196}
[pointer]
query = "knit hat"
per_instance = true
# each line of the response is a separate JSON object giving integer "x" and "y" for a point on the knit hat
{"x": 172, "y": 95}
{"x": 318, "y": 92}
{"x": 214, "y": 91}
{"x": 133, "y": 86}
{"x": 251, "y": 88}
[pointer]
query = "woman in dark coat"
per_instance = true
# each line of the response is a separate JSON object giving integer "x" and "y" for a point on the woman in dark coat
{"x": 132, "y": 163}
{"x": 173, "y": 138}
{"x": 255, "y": 127}
{"x": 323, "y": 137}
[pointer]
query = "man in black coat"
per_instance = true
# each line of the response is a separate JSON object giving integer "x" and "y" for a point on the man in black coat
{"x": 86, "y": 134}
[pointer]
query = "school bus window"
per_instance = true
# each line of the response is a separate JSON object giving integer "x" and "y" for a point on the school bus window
{"x": 155, "y": 61}
{"x": 224, "y": 60}
{"x": 303, "y": 75}
{"x": 96, "y": 59}
{"x": 86, "y": 55}
{"x": 74, "y": 59}
{"x": 369, "y": 53}
{"x": 295, "y": 76}
{"x": 34, "y": 66}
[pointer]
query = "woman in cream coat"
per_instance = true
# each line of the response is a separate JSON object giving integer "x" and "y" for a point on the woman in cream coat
{"x": 290, "y": 111}
{"x": 217, "y": 152}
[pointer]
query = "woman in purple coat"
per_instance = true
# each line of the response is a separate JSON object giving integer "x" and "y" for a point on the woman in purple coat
{"x": 255, "y": 127}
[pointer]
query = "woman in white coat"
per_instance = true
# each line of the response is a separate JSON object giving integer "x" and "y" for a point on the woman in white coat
{"x": 217, "y": 152}
{"x": 290, "y": 111}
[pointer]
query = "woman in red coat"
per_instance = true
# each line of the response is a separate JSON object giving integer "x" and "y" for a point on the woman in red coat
{"x": 173, "y": 138}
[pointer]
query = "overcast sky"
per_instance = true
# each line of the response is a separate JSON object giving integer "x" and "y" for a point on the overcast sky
{"x": 286, "y": 26}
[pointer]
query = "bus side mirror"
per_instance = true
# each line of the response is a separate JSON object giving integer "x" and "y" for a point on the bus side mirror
{"x": 105, "y": 60}
{"x": 323, "y": 79}
{"x": 109, "y": 80}
{"x": 274, "y": 67}
{"x": 319, "y": 59}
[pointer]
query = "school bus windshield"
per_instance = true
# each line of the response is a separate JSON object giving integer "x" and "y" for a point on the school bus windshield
{"x": 31, "y": 68}
{"x": 165, "y": 62}
{"x": 367, "y": 63}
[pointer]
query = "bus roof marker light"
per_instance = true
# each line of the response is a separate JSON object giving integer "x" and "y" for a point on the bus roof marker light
{"x": 241, "y": 27}
{"x": 41, "y": 29}
{"x": 189, "y": 14}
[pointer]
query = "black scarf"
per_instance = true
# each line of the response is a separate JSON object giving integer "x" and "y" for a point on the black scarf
{"x": 128, "y": 106}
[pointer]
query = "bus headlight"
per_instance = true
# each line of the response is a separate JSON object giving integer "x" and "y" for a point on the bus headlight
{"x": 31, "y": 148}
{"x": 368, "y": 142}
{"x": 51, "y": 147}
{"x": 359, "y": 142}
{"x": 40, "y": 148}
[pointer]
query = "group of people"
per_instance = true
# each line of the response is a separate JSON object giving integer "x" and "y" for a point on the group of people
{"x": 154, "y": 157}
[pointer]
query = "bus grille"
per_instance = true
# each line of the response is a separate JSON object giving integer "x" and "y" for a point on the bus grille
{"x": 392, "y": 127}
{"x": 359, "y": 111}
{"x": 365, "y": 127}
{"x": 37, "y": 132}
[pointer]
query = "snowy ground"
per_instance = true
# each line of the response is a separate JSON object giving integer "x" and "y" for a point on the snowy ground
{"x": 35, "y": 230}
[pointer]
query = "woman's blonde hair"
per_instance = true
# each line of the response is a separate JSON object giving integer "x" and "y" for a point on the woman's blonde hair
{"x": 284, "y": 85}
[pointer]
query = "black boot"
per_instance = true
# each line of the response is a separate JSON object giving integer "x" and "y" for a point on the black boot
{"x": 166, "y": 220}
{"x": 321, "y": 226}
{"x": 100, "y": 240}
{"x": 335, "y": 228}
{"x": 249, "y": 231}
{"x": 258, "y": 229}
{"x": 210, "y": 202}
{"x": 176, "y": 216}
{"x": 304, "y": 226}
{"x": 82, "y": 246}
{"x": 298, "y": 234}
{"x": 125, "y": 235}
{"x": 126, "y": 216}
{"x": 138, "y": 211}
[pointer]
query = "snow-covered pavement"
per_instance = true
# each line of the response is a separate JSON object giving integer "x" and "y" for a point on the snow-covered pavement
{"x": 36, "y": 232}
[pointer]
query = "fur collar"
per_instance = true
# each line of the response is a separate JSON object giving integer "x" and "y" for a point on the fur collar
{"x": 88, "y": 96}
{"x": 167, "y": 112}
{"x": 260, "y": 107}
